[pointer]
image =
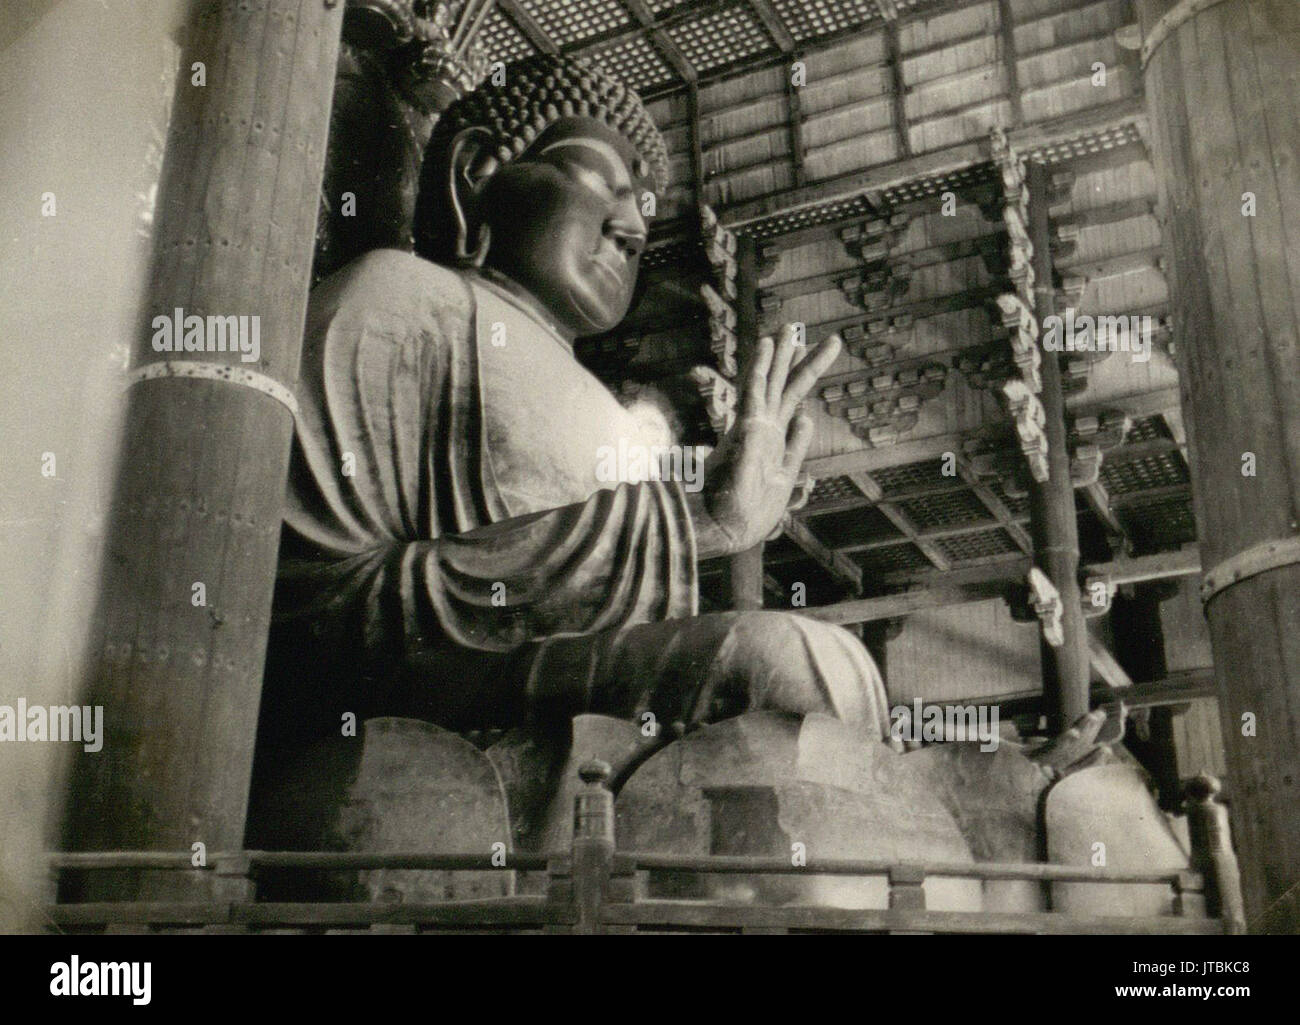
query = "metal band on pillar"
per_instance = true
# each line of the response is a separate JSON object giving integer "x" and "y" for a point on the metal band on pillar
{"x": 226, "y": 372}
{"x": 1167, "y": 25}
{"x": 1257, "y": 559}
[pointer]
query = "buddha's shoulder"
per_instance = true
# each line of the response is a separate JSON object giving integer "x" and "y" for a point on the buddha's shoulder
{"x": 394, "y": 284}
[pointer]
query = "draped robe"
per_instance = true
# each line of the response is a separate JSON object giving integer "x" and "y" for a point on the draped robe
{"x": 448, "y": 552}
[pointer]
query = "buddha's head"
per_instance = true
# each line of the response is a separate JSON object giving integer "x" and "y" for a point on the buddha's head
{"x": 543, "y": 179}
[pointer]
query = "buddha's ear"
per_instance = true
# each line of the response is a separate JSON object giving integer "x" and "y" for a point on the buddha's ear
{"x": 471, "y": 161}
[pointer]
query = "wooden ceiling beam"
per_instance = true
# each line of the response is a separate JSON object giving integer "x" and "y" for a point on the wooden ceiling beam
{"x": 1106, "y": 667}
{"x": 772, "y": 22}
{"x": 1175, "y": 689}
{"x": 844, "y": 570}
{"x": 823, "y": 43}
{"x": 867, "y": 484}
{"x": 898, "y": 88}
{"x": 1010, "y": 59}
{"x": 937, "y": 163}
{"x": 664, "y": 43}
{"x": 869, "y": 460}
{"x": 527, "y": 26}
{"x": 947, "y": 588}
{"x": 989, "y": 499}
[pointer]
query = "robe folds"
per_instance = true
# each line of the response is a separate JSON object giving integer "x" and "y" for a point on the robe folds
{"x": 448, "y": 552}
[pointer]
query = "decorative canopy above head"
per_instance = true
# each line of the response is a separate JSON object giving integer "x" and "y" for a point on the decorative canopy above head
{"x": 518, "y": 103}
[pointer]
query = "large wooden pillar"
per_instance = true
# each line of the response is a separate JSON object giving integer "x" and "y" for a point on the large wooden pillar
{"x": 181, "y": 628}
{"x": 1052, "y": 516}
{"x": 1223, "y": 85}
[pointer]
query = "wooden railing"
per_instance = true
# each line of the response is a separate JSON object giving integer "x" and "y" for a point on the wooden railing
{"x": 593, "y": 888}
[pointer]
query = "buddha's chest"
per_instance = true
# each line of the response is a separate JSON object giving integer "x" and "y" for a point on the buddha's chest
{"x": 548, "y": 425}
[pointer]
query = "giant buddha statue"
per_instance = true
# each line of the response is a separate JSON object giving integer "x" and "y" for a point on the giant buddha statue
{"x": 448, "y": 550}
{"x": 451, "y": 556}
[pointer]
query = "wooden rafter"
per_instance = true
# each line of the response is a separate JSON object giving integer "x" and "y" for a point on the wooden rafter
{"x": 947, "y": 588}
{"x": 867, "y": 484}
{"x": 527, "y": 26}
{"x": 938, "y": 163}
{"x": 994, "y": 505}
{"x": 663, "y": 41}
{"x": 1010, "y": 59}
{"x": 765, "y": 13}
{"x": 898, "y": 87}
{"x": 845, "y": 571}
{"x": 1148, "y": 403}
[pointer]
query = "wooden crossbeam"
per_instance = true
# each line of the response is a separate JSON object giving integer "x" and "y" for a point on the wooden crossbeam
{"x": 867, "y": 484}
{"x": 664, "y": 42}
{"x": 1175, "y": 689}
{"x": 994, "y": 505}
{"x": 794, "y": 122}
{"x": 1130, "y": 110}
{"x": 899, "y": 89}
{"x": 1105, "y": 666}
{"x": 845, "y": 571}
{"x": 869, "y": 460}
{"x": 1010, "y": 59}
{"x": 772, "y": 22}
{"x": 1098, "y": 500}
{"x": 527, "y": 26}
{"x": 948, "y": 588}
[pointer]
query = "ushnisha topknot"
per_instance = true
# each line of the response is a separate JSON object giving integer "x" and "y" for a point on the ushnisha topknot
{"x": 544, "y": 88}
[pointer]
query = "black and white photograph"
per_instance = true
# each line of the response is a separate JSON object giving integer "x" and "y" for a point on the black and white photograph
{"x": 607, "y": 467}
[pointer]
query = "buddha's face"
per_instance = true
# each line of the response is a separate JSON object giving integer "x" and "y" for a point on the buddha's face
{"x": 566, "y": 224}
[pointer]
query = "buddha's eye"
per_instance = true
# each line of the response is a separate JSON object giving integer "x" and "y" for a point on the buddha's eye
{"x": 591, "y": 178}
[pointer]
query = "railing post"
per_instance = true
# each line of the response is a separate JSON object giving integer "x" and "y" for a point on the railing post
{"x": 1212, "y": 854}
{"x": 593, "y": 845}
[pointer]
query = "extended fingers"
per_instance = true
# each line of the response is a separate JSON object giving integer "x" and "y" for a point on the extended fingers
{"x": 754, "y": 397}
{"x": 801, "y": 435}
{"x": 781, "y": 361}
{"x": 810, "y": 371}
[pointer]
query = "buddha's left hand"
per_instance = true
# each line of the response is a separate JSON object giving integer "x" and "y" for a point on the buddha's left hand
{"x": 749, "y": 477}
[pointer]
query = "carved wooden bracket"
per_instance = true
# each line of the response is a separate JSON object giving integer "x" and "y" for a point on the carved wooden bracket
{"x": 1046, "y": 600}
{"x": 1027, "y": 413}
{"x": 719, "y": 396}
{"x": 719, "y": 245}
{"x": 884, "y": 406}
{"x": 879, "y": 340}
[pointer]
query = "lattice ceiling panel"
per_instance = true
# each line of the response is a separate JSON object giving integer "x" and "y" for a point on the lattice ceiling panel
{"x": 809, "y": 217}
{"x": 985, "y": 544}
{"x": 1085, "y": 143}
{"x": 834, "y": 489}
{"x": 900, "y": 558}
{"x": 502, "y": 40}
{"x": 570, "y": 22}
{"x": 722, "y": 37}
{"x": 1159, "y": 525}
{"x": 663, "y": 6}
{"x": 950, "y": 509}
{"x": 1147, "y": 428}
{"x": 1143, "y": 474}
{"x": 636, "y": 62}
{"x": 809, "y": 19}
{"x": 894, "y": 479}
{"x": 932, "y": 185}
{"x": 853, "y": 526}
